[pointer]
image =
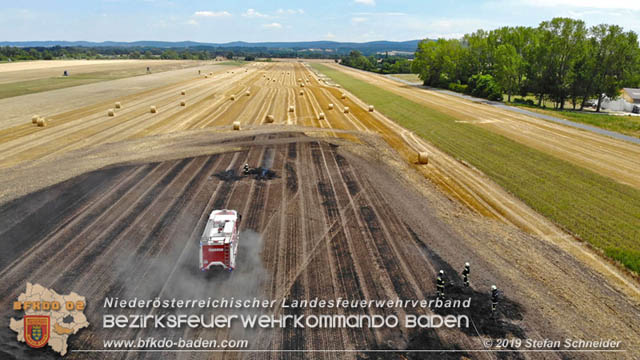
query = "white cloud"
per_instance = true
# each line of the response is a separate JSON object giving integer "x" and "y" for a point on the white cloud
{"x": 381, "y": 13}
{"x": 252, "y": 13}
{"x": 358, "y": 20}
{"x": 212, "y": 13}
{"x": 368, "y": 36}
{"x": 192, "y": 22}
{"x": 590, "y": 4}
{"x": 289, "y": 11}
{"x": 445, "y": 27}
{"x": 330, "y": 35}
{"x": 366, "y": 2}
{"x": 274, "y": 25}
{"x": 581, "y": 14}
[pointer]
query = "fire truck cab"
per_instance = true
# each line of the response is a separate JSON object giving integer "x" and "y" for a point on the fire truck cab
{"x": 219, "y": 242}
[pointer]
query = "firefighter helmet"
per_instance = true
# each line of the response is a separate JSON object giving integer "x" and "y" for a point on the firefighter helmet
{"x": 493, "y": 287}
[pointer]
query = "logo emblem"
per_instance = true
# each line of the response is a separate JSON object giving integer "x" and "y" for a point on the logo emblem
{"x": 36, "y": 330}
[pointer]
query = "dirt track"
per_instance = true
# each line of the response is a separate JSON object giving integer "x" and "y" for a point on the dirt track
{"x": 354, "y": 220}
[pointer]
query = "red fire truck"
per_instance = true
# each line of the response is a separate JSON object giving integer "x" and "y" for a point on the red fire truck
{"x": 219, "y": 242}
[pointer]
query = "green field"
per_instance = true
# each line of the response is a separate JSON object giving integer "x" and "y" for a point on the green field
{"x": 595, "y": 208}
{"x": 628, "y": 125}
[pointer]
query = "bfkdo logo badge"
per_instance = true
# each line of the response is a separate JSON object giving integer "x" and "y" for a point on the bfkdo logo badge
{"x": 36, "y": 330}
{"x": 49, "y": 318}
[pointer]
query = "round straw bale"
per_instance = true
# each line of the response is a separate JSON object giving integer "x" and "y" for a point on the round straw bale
{"x": 206, "y": 76}
{"x": 370, "y": 107}
{"x": 346, "y": 109}
{"x": 153, "y": 109}
{"x": 301, "y": 84}
{"x": 321, "y": 116}
{"x": 301, "y": 92}
{"x": 183, "y": 92}
{"x": 343, "y": 96}
{"x": 183, "y": 103}
{"x": 270, "y": 118}
{"x": 110, "y": 112}
{"x": 330, "y": 106}
{"x": 291, "y": 108}
{"x": 34, "y": 119}
{"x": 423, "y": 157}
{"x": 118, "y": 105}
{"x": 42, "y": 122}
{"x": 233, "y": 97}
{"x": 236, "y": 125}
{"x": 248, "y": 93}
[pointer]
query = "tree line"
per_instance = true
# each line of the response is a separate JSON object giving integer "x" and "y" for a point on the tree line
{"x": 383, "y": 64}
{"x": 560, "y": 60}
{"x": 13, "y": 53}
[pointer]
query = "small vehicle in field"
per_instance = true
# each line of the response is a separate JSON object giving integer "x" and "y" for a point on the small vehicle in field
{"x": 219, "y": 242}
{"x": 261, "y": 173}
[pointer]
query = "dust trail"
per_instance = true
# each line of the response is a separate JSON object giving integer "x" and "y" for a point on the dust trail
{"x": 174, "y": 276}
{"x": 267, "y": 161}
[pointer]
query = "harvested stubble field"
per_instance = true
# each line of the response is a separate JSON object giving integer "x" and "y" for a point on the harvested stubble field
{"x": 114, "y": 206}
{"x": 593, "y": 207}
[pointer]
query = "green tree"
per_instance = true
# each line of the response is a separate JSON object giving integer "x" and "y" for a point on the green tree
{"x": 508, "y": 68}
{"x": 477, "y": 58}
{"x": 565, "y": 39}
{"x": 34, "y": 54}
{"x": 614, "y": 53}
{"x": 169, "y": 54}
{"x": 438, "y": 63}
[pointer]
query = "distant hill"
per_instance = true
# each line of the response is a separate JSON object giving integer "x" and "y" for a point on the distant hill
{"x": 324, "y": 46}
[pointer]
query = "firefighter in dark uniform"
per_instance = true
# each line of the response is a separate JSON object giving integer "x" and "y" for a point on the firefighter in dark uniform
{"x": 465, "y": 274}
{"x": 440, "y": 284}
{"x": 245, "y": 169}
{"x": 494, "y": 299}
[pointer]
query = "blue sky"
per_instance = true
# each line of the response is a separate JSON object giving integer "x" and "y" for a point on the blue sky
{"x": 285, "y": 20}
